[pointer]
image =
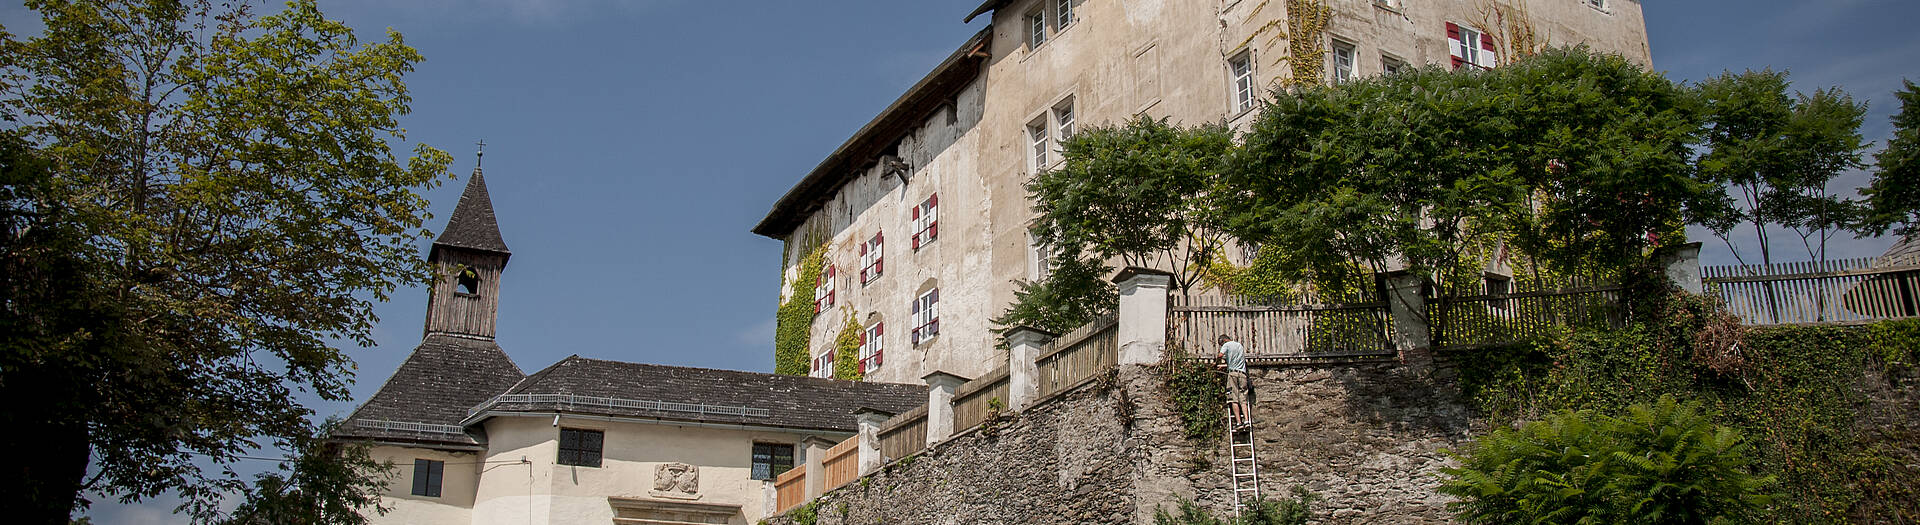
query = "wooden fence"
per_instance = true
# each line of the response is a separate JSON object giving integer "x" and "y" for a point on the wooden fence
{"x": 1276, "y": 329}
{"x": 790, "y": 488}
{"x": 842, "y": 463}
{"x": 972, "y": 403}
{"x": 1836, "y": 291}
{"x": 1457, "y": 322}
{"x": 1075, "y": 357}
{"x": 904, "y": 435}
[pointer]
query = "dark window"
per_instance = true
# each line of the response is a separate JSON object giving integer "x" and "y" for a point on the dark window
{"x": 580, "y": 447}
{"x": 469, "y": 281}
{"x": 771, "y": 459}
{"x": 426, "y": 477}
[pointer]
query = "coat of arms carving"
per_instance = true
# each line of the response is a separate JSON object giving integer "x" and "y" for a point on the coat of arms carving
{"x": 676, "y": 480}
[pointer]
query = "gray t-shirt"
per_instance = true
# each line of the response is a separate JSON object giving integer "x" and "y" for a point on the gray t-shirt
{"x": 1235, "y": 355}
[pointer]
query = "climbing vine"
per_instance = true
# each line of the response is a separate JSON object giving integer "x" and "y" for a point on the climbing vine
{"x": 1307, "y": 26}
{"x": 1199, "y": 394}
{"x": 846, "y": 349}
{"x": 1516, "y": 37}
{"x": 793, "y": 323}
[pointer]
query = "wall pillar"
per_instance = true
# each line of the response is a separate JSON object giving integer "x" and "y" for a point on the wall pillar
{"x": 1142, "y": 326}
{"x": 940, "y": 387}
{"x": 1407, "y": 318}
{"x": 1682, "y": 263}
{"x": 1023, "y": 346}
{"x": 816, "y": 465}
{"x": 869, "y": 421}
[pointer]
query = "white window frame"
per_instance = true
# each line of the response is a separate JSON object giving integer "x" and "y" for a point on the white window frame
{"x": 1037, "y": 139}
{"x": 872, "y": 258}
{"x": 872, "y": 347}
{"x": 1343, "y": 73}
{"x": 1063, "y": 119}
{"x": 926, "y": 221}
{"x": 1039, "y": 259}
{"x": 1468, "y": 47}
{"x": 1036, "y": 28}
{"x": 1240, "y": 70}
{"x": 1063, "y": 15}
{"x": 926, "y": 316}
{"x": 1391, "y": 66}
{"x": 822, "y": 366}
{"x": 824, "y": 289}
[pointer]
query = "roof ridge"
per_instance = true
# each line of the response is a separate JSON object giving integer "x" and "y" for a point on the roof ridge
{"x": 765, "y": 374}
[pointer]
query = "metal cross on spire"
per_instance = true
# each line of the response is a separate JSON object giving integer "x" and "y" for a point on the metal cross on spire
{"x": 481, "y": 153}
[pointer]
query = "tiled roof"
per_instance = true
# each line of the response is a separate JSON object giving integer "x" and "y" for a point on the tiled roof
{"x": 701, "y": 394}
{"x": 427, "y": 397}
{"x": 473, "y": 224}
{"x": 1903, "y": 252}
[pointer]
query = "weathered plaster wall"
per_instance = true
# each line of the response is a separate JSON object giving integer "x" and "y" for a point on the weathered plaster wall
{"x": 552, "y": 493}
{"x": 457, "y": 482}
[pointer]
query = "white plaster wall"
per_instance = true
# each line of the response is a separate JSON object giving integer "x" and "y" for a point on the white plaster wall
{"x": 457, "y": 482}
{"x": 576, "y": 494}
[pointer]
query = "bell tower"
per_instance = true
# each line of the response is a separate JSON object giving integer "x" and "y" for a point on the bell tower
{"x": 467, "y": 261}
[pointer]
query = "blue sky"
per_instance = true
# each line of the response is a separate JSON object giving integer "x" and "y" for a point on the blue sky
{"x": 632, "y": 144}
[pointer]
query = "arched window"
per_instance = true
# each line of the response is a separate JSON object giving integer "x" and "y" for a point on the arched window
{"x": 469, "y": 280}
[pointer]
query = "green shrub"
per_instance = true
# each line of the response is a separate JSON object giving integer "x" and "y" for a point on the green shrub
{"x": 1660, "y": 463}
{"x": 1199, "y": 394}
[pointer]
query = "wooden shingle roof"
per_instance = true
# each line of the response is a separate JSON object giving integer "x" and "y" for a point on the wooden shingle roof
{"x": 432, "y": 389}
{"x": 473, "y": 225}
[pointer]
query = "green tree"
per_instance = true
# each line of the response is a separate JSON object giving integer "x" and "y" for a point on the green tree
{"x": 1295, "y": 511}
{"x": 1657, "y": 464}
{"x": 213, "y": 201}
{"x": 1075, "y": 293}
{"x": 1580, "y": 160}
{"x": 323, "y": 482}
{"x": 1778, "y": 154}
{"x": 1141, "y": 192}
{"x": 1894, "y": 194}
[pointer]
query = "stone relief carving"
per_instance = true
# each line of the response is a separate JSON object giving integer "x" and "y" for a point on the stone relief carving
{"x": 676, "y": 480}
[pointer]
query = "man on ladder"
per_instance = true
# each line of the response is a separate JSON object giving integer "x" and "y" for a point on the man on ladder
{"x": 1233, "y": 358}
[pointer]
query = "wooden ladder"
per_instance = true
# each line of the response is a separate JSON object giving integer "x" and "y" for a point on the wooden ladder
{"x": 1243, "y": 465}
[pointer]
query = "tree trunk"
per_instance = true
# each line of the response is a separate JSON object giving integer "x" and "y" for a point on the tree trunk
{"x": 50, "y": 446}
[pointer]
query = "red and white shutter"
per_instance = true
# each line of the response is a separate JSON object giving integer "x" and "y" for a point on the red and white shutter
{"x": 1487, "y": 57}
{"x": 915, "y": 337}
{"x": 879, "y": 335}
{"x": 1454, "y": 47}
{"x": 879, "y": 254}
{"x": 933, "y": 312}
{"x": 917, "y": 228}
{"x": 933, "y": 217}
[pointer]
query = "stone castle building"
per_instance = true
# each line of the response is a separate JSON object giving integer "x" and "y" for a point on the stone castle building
{"x": 923, "y": 214}
{"x": 477, "y": 441}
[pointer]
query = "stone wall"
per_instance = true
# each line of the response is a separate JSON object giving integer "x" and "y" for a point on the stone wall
{"x": 1062, "y": 461}
{"x": 1367, "y": 438}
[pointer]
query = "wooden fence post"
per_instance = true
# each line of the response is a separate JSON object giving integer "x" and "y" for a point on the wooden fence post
{"x": 1407, "y": 306}
{"x": 940, "y": 387}
{"x": 869, "y": 421}
{"x": 1023, "y": 346}
{"x": 1683, "y": 266}
{"x": 1143, "y": 315}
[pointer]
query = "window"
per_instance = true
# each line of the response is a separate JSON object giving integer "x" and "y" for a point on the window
{"x": 1036, "y": 28}
{"x": 926, "y": 221}
{"x": 1039, "y": 258}
{"x": 1389, "y": 4}
{"x": 823, "y": 290}
{"x": 1342, "y": 62}
{"x": 871, "y": 264}
{"x": 926, "y": 316}
{"x": 822, "y": 366}
{"x": 580, "y": 447}
{"x": 1063, "y": 119}
{"x": 1469, "y": 46}
{"x": 1037, "y": 135}
{"x": 1597, "y": 4}
{"x": 1063, "y": 14}
{"x": 469, "y": 280}
{"x": 1498, "y": 284}
{"x": 1241, "y": 67}
{"x": 1391, "y": 66}
{"x": 426, "y": 477}
{"x": 771, "y": 459}
{"x": 871, "y": 349}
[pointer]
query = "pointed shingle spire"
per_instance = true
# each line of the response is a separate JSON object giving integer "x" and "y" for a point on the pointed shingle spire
{"x": 473, "y": 225}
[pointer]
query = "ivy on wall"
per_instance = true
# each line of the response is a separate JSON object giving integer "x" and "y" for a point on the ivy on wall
{"x": 1306, "y": 46}
{"x": 1797, "y": 392}
{"x": 793, "y": 323}
{"x": 846, "y": 349}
